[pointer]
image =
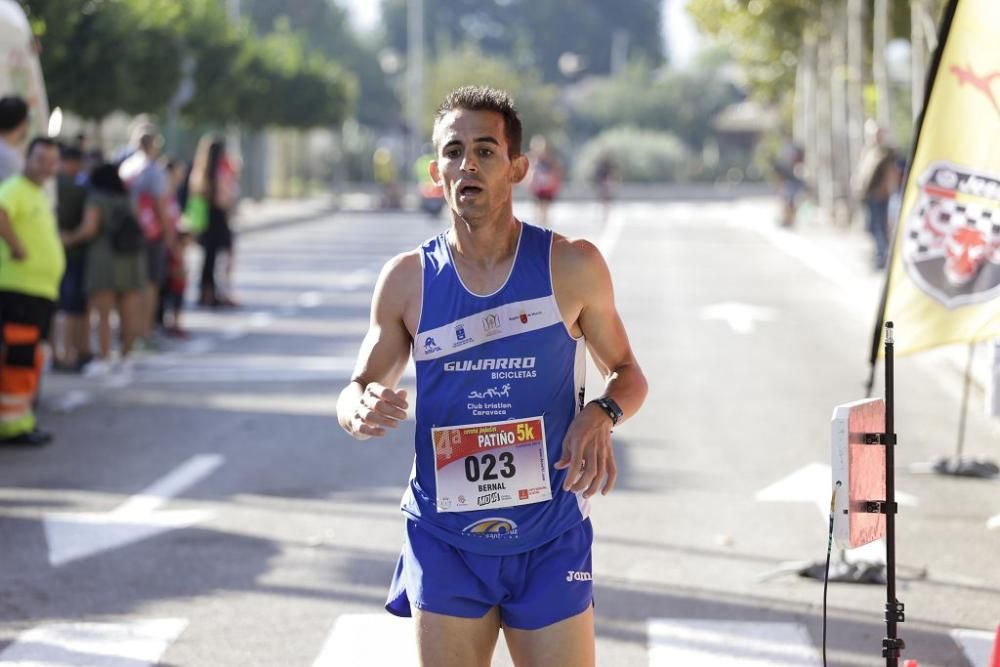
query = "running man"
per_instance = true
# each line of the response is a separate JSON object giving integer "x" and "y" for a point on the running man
{"x": 497, "y": 314}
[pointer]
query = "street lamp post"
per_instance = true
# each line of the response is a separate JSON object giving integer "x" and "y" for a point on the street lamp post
{"x": 415, "y": 78}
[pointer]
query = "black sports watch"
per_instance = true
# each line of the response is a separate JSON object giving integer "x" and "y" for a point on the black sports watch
{"x": 611, "y": 408}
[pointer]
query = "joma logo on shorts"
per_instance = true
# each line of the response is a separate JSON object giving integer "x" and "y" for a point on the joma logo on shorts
{"x": 573, "y": 575}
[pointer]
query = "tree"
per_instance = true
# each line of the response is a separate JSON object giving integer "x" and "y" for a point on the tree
{"x": 535, "y": 33}
{"x": 326, "y": 28}
{"x": 101, "y": 57}
{"x": 682, "y": 103}
{"x": 127, "y": 55}
{"x": 536, "y": 101}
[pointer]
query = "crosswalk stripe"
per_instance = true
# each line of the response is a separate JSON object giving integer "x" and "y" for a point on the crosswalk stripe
{"x": 381, "y": 640}
{"x": 136, "y": 644}
{"x": 976, "y": 645}
{"x": 369, "y": 639}
{"x": 704, "y": 643}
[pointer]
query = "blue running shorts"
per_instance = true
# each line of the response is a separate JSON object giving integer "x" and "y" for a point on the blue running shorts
{"x": 533, "y": 589}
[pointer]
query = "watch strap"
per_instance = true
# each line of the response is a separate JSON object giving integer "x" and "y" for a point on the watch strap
{"x": 610, "y": 407}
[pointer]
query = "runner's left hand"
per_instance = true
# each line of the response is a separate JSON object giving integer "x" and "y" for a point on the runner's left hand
{"x": 587, "y": 450}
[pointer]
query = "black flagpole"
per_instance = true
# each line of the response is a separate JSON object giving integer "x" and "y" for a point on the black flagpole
{"x": 891, "y": 645}
{"x": 943, "y": 31}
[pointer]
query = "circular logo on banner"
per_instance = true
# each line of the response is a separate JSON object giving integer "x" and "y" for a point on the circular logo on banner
{"x": 951, "y": 241}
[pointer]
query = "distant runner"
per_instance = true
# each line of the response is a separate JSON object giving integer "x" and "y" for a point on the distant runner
{"x": 498, "y": 315}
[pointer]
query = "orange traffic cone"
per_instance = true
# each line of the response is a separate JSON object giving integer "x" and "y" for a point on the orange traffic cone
{"x": 995, "y": 656}
{"x": 910, "y": 663}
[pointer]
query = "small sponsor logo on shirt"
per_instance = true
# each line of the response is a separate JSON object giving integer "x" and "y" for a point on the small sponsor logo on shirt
{"x": 523, "y": 316}
{"x": 501, "y": 363}
{"x": 573, "y": 575}
{"x": 430, "y": 346}
{"x": 491, "y": 392}
{"x": 491, "y": 324}
{"x": 459, "y": 332}
{"x": 522, "y": 494}
{"x": 494, "y": 528}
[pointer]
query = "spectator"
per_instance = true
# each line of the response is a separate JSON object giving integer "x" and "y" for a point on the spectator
{"x": 116, "y": 273}
{"x": 876, "y": 179}
{"x": 605, "y": 178}
{"x": 146, "y": 180}
{"x": 13, "y": 132}
{"x": 791, "y": 186}
{"x": 31, "y": 266}
{"x": 545, "y": 178}
{"x": 172, "y": 294}
{"x": 213, "y": 178}
{"x": 74, "y": 351}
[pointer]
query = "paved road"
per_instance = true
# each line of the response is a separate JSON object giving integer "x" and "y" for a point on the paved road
{"x": 203, "y": 508}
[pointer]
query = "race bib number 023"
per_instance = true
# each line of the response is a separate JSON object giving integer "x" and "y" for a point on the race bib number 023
{"x": 485, "y": 466}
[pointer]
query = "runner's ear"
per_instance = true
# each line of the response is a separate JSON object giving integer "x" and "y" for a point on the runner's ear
{"x": 435, "y": 172}
{"x": 518, "y": 169}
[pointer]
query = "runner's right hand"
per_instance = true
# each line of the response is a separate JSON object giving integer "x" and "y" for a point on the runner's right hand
{"x": 380, "y": 408}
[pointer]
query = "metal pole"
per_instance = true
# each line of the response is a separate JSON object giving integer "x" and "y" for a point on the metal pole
{"x": 890, "y": 646}
{"x": 880, "y": 37}
{"x": 415, "y": 79}
{"x": 965, "y": 407}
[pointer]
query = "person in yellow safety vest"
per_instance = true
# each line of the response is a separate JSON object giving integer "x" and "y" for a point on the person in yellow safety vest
{"x": 431, "y": 194}
{"x": 31, "y": 266}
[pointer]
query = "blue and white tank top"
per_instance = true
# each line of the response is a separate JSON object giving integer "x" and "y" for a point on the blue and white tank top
{"x": 494, "y": 373}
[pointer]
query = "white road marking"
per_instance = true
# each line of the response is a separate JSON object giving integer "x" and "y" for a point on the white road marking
{"x": 233, "y": 332}
{"x": 310, "y": 299}
{"x": 261, "y": 319}
{"x": 813, "y": 484}
{"x": 255, "y": 368}
{"x": 704, "y": 643}
{"x": 975, "y": 644}
{"x": 380, "y": 640}
{"x": 612, "y": 232}
{"x": 994, "y": 522}
{"x": 369, "y": 639}
{"x": 72, "y": 400}
{"x": 741, "y": 317}
{"x": 196, "y": 346}
{"x": 72, "y": 536}
{"x": 136, "y": 644}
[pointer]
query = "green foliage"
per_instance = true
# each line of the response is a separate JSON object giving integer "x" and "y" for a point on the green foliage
{"x": 683, "y": 103}
{"x": 127, "y": 55}
{"x": 536, "y": 102}
{"x": 764, "y": 36}
{"x": 535, "y": 33}
{"x": 642, "y": 156}
{"x": 325, "y": 28}
{"x": 96, "y": 59}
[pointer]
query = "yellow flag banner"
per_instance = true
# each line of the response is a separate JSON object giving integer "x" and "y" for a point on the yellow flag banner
{"x": 943, "y": 284}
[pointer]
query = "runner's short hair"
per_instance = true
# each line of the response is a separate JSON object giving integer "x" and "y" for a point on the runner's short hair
{"x": 13, "y": 112}
{"x": 484, "y": 98}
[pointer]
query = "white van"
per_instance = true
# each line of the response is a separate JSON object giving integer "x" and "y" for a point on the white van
{"x": 20, "y": 71}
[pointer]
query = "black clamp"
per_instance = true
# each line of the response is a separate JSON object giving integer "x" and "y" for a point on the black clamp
{"x": 880, "y": 438}
{"x": 895, "y": 612}
{"x": 891, "y": 648}
{"x": 880, "y": 507}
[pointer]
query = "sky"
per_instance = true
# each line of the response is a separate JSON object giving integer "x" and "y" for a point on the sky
{"x": 678, "y": 29}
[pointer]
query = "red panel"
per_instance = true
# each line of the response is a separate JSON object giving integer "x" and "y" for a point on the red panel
{"x": 866, "y": 472}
